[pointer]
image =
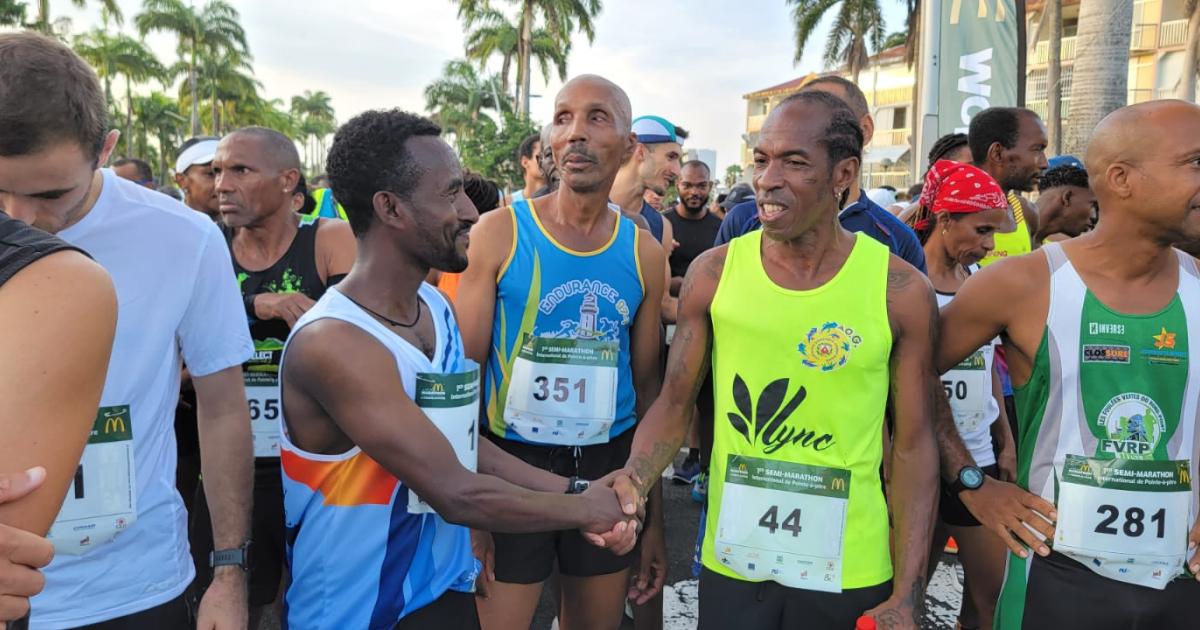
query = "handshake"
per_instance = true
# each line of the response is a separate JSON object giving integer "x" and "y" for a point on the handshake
{"x": 616, "y": 512}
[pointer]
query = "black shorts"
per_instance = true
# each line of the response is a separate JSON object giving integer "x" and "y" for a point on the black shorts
{"x": 951, "y": 507}
{"x": 173, "y": 614}
{"x": 267, "y": 555}
{"x": 529, "y": 558}
{"x": 728, "y": 603}
{"x": 452, "y": 611}
{"x": 1059, "y": 592}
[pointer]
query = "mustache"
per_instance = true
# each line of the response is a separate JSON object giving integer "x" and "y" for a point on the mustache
{"x": 579, "y": 151}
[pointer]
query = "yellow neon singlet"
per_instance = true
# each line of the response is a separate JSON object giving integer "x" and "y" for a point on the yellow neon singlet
{"x": 1015, "y": 243}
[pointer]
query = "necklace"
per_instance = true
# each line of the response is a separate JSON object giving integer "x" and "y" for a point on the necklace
{"x": 388, "y": 319}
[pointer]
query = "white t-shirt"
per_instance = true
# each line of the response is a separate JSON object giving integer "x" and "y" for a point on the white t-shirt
{"x": 178, "y": 300}
{"x": 979, "y": 441}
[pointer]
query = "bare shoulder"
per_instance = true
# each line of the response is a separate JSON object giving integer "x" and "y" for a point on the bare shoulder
{"x": 492, "y": 238}
{"x": 712, "y": 262}
{"x": 704, "y": 274}
{"x": 324, "y": 345}
{"x": 905, "y": 280}
{"x": 68, "y": 274}
{"x": 1012, "y": 278}
{"x": 334, "y": 229}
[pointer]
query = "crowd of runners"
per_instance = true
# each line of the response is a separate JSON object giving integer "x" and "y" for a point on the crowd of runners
{"x": 319, "y": 398}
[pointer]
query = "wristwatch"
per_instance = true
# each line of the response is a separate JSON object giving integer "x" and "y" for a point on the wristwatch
{"x": 575, "y": 485}
{"x": 239, "y": 557}
{"x": 969, "y": 478}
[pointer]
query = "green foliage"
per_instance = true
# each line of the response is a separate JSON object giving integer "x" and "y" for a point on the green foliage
{"x": 492, "y": 151}
{"x": 733, "y": 173}
{"x": 12, "y": 13}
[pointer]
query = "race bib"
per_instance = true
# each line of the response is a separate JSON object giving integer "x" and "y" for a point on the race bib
{"x": 784, "y": 522}
{"x": 969, "y": 386}
{"x": 563, "y": 391}
{"x": 262, "y": 394}
{"x": 102, "y": 499}
{"x": 451, "y": 402}
{"x": 1125, "y": 519}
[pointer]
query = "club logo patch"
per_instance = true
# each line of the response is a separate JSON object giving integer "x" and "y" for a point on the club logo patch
{"x": 1134, "y": 424}
{"x": 1099, "y": 353}
{"x": 828, "y": 346}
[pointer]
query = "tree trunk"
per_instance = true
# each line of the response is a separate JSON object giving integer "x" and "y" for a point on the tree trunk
{"x": 1054, "y": 76}
{"x": 1187, "y": 86}
{"x": 128, "y": 116}
{"x": 216, "y": 129}
{"x": 1101, "y": 75}
{"x": 504, "y": 70}
{"x": 524, "y": 48}
{"x": 192, "y": 89}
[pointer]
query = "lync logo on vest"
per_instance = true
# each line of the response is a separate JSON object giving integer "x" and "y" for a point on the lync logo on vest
{"x": 828, "y": 347}
{"x": 764, "y": 422}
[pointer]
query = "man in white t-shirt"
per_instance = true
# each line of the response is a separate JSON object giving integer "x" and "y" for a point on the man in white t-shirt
{"x": 120, "y": 539}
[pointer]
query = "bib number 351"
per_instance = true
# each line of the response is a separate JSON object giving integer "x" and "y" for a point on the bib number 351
{"x": 561, "y": 390}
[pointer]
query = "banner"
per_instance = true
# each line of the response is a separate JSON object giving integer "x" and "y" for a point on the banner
{"x": 972, "y": 58}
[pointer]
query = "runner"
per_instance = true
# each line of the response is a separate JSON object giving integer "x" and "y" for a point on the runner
{"x": 284, "y": 262}
{"x": 194, "y": 176}
{"x": 136, "y": 171}
{"x": 1097, "y": 330}
{"x": 528, "y": 156}
{"x": 44, "y": 285}
{"x": 956, "y": 220}
{"x": 564, "y": 276}
{"x": 695, "y": 228}
{"x": 546, "y": 165}
{"x": 860, "y": 216}
{"x": 1009, "y": 143}
{"x": 953, "y": 147}
{"x": 1066, "y": 205}
{"x": 372, "y": 480}
{"x": 122, "y": 550}
{"x": 799, "y": 315}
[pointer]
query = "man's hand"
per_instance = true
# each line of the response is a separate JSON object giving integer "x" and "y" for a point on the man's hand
{"x": 21, "y": 553}
{"x": 484, "y": 549}
{"x": 1194, "y": 547}
{"x": 651, "y": 572}
{"x": 633, "y": 504}
{"x": 894, "y": 614}
{"x": 225, "y": 605}
{"x": 1007, "y": 510}
{"x": 286, "y": 306}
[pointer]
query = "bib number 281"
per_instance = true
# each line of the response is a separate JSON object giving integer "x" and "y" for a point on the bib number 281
{"x": 561, "y": 391}
{"x": 1134, "y": 525}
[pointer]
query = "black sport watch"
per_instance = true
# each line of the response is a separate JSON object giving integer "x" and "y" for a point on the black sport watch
{"x": 969, "y": 478}
{"x": 575, "y": 485}
{"x": 239, "y": 557}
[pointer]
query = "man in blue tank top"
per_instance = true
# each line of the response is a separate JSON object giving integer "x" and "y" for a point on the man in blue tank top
{"x": 561, "y": 306}
{"x": 380, "y": 440}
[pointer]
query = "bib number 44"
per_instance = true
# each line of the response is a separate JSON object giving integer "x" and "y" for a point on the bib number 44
{"x": 791, "y": 523}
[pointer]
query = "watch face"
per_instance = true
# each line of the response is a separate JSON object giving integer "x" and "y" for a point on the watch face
{"x": 971, "y": 477}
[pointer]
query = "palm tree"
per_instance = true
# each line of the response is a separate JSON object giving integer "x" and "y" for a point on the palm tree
{"x": 120, "y": 55}
{"x": 458, "y": 99}
{"x": 212, "y": 31}
{"x": 108, "y": 7}
{"x": 1054, "y": 75}
{"x": 227, "y": 77}
{"x": 858, "y": 23}
{"x": 1101, "y": 72}
{"x": 12, "y": 13}
{"x": 314, "y": 114}
{"x": 1191, "y": 52}
{"x": 496, "y": 35}
{"x": 158, "y": 117}
{"x": 560, "y": 18}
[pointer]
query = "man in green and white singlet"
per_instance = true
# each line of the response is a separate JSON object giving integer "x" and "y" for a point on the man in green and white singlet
{"x": 809, "y": 331}
{"x": 1098, "y": 332}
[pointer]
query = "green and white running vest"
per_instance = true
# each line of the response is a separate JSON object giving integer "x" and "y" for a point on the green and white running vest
{"x": 1108, "y": 427}
{"x": 800, "y": 383}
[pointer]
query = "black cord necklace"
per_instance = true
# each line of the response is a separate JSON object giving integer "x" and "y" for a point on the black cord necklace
{"x": 388, "y": 319}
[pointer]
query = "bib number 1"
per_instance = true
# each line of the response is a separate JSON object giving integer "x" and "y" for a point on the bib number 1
{"x": 102, "y": 499}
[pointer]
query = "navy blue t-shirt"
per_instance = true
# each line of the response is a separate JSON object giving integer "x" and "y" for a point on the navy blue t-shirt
{"x": 654, "y": 219}
{"x": 863, "y": 216}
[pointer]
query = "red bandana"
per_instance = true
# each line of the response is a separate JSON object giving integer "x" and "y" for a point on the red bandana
{"x": 960, "y": 188}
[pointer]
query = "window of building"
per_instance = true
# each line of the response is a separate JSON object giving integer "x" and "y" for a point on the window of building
{"x": 900, "y": 118}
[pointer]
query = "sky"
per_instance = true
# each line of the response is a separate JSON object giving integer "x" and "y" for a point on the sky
{"x": 689, "y": 61}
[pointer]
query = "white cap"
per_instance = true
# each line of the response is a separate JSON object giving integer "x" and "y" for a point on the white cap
{"x": 202, "y": 152}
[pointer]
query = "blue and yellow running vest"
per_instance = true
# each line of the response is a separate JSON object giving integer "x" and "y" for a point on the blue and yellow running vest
{"x": 545, "y": 289}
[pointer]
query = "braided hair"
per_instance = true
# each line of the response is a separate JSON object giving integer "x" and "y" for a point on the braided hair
{"x": 946, "y": 145}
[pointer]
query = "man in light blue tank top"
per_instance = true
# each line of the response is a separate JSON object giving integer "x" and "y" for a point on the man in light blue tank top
{"x": 383, "y": 469}
{"x": 561, "y": 305}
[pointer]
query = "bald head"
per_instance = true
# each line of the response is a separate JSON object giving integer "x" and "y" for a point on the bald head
{"x": 597, "y": 87}
{"x": 277, "y": 149}
{"x": 1141, "y": 165}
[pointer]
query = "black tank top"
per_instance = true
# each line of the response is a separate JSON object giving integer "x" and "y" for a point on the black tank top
{"x": 695, "y": 236}
{"x": 22, "y": 245}
{"x": 295, "y": 272}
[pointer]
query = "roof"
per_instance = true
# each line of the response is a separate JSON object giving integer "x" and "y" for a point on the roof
{"x": 895, "y": 54}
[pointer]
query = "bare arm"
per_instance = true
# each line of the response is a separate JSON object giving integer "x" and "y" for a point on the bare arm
{"x": 1002, "y": 437}
{"x": 475, "y": 302}
{"x": 670, "y": 303}
{"x": 49, "y": 402}
{"x": 665, "y": 425}
{"x": 336, "y": 248}
{"x": 646, "y": 334}
{"x": 913, "y": 481}
{"x": 353, "y": 379}
{"x": 226, "y": 454}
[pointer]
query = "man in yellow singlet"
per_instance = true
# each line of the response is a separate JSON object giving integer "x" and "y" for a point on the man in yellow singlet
{"x": 1009, "y": 143}
{"x": 809, "y": 331}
